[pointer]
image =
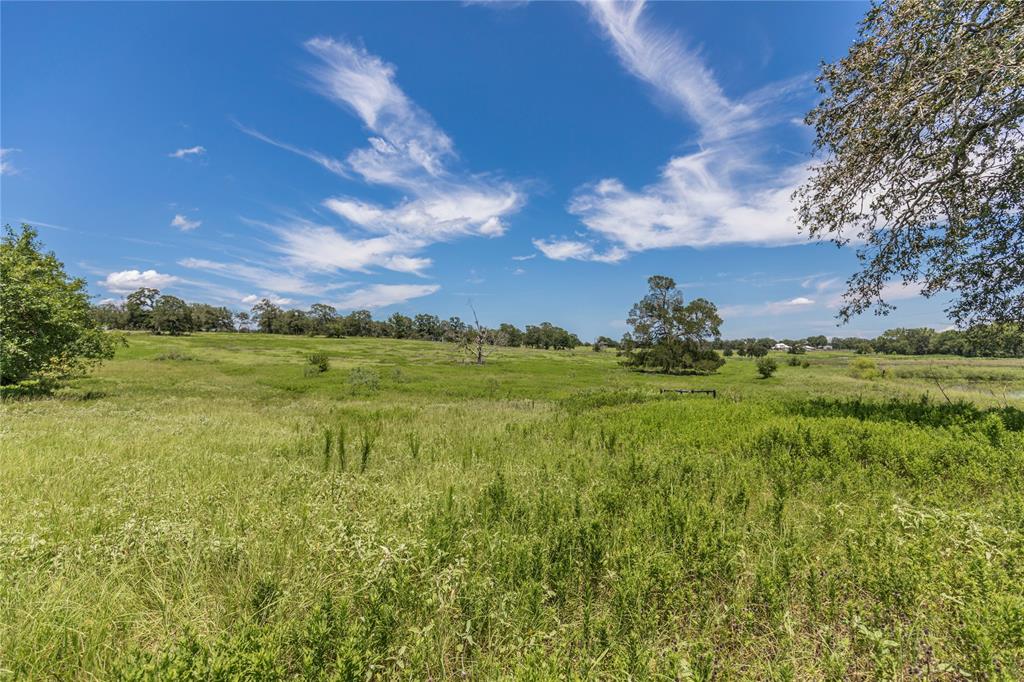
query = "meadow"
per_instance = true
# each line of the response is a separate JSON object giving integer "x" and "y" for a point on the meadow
{"x": 213, "y": 507}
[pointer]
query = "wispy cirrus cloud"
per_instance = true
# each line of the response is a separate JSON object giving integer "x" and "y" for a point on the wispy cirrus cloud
{"x": 725, "y": 193}
{"x": 383, "y": 295}
{"x": 329, "y": 162}
{"x": 321, "y": 248}
{"x": 264, "y": 277}
{"x": 184, "y": 224}
{"x": 406, "y": 151}
{"x": 127, "y": 281}
{"x": 184, "y": 153}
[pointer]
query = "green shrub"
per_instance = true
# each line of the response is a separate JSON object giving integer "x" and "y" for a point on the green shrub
{"x": 793, "y": 361}
{"x": 319, "y": 362}
{"x": 766, "y": 366}
{"x": 362, "y": 379}
{"x": 864, "y": 368}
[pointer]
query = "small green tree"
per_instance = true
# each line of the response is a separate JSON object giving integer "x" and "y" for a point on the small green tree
{"x": 766, "y": 366}
{"x": 46, "y": 330}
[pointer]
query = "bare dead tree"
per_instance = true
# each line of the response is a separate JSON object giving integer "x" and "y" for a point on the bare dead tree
{"x": 478, "y": 342}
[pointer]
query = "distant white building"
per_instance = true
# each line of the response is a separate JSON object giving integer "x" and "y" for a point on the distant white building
{"x": 780, "y": 346}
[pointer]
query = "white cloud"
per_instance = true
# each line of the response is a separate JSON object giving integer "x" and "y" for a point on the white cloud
{"x": 701, "y": 200}
{"x": 891, "y": 291}
{"x": 675, "y": 71}
{"x": 383, "y": 295}
{"x": 253, "y": 299}
{"x": 566, "y": 249}
{"x": 788, "y": 306}
{"x": 127, "y": 281}
{"x": 325, "y": 249}
{"x": 407, "y": 151}
{"x": 820, "y": 283}
{"x": 901, "y": 291}
{"x": 6, "y": 168}
{"x": 407, "y": 143}
{"x": 184, "y": 224}
{"x": 437, "y": 214}
{"x": 329, "y": 162}
{"x": 198, "y": 150}
{"x": 518, "y": 271}
{"x": 723, "y": 194}
{"x": 255, "y": 274}
{"x": 527, "y": 257}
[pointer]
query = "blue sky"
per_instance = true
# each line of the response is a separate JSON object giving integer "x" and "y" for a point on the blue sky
{"x": 539, "y": 159}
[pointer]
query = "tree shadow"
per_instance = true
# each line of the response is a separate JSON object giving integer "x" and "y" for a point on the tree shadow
{"x": 924, "y": 412}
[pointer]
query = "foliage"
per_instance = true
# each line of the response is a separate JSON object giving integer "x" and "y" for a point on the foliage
{"x": 766, "y": 367}
{"x": 995, "y": 340}
{"x": 510, "y": 335}
{"x": 546, "y": 335}
{"x": 144, "y": 310}
{"x": 864, "y": 368}
{"x": 363, "y": 379}
{"x": 170, "y": 315}
{"x": 320, "y": 362}
{"x": 46, "y": 330}
{"x": 669, "y": 335}
{"x": 921, "y": 134}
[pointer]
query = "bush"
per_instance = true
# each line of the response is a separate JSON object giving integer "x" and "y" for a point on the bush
{"x": 727, "y": 352}
{"x": 805, "y": 364}
{"x": 319, "y": 362}
{"x": 793, "y": 361}
{"x": 766, "y": 367}
{"x": 363, "y": 379}
{"x": 864, "y": 368}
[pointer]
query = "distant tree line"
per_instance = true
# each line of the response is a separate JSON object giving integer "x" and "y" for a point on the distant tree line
{"x": 149, "y": 310}
{"x": 997, "y": 340}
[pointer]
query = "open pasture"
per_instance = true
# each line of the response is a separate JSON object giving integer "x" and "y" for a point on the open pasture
{"x": 208, "y": 507}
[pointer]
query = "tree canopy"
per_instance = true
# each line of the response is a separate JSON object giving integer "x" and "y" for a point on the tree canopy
{"x": 671, "y": 335}
{"x": 921, "y": 133}
{"x": 46, "y": 329}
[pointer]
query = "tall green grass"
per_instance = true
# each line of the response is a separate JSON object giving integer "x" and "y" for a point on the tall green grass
{"x": 253, "y": 523}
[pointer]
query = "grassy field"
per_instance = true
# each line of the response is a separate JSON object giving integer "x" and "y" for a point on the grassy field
{"x": 204, "y": 507}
